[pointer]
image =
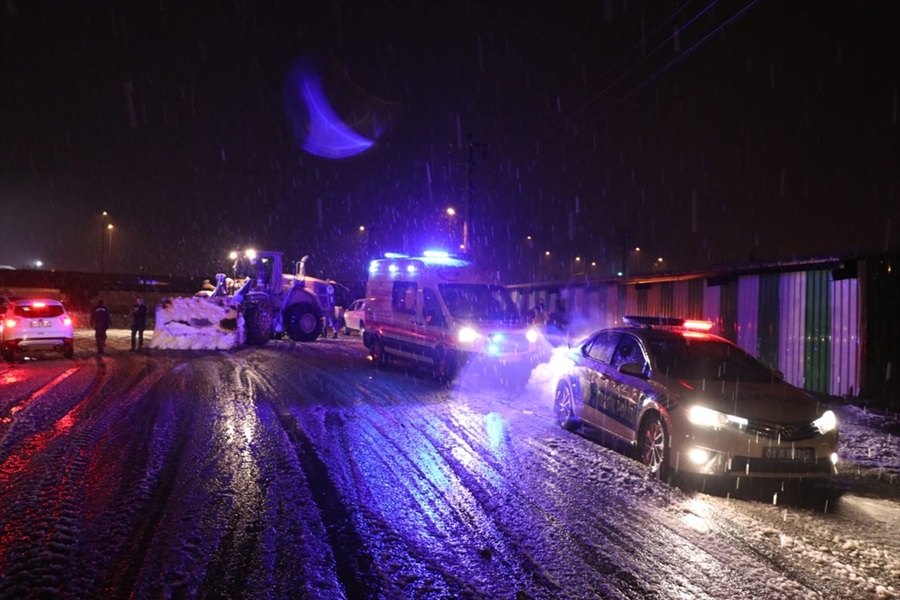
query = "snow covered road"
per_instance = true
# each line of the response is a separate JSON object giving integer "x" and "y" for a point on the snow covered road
{"x": 301, "y": 471}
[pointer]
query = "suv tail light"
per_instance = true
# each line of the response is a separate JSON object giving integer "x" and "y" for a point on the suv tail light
{"x": 66, "y": 321}
{"x": 10, "y": 323}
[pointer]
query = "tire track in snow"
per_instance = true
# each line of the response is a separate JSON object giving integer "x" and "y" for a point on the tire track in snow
{"x": 457, "y": 523}
{"x": 57, "y": 527}
{"x": 353, "y": 562}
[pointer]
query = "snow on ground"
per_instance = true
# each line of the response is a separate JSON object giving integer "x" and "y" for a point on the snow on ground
{"x": 850, "y": 548}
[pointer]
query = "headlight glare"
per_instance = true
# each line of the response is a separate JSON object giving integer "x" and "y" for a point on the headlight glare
{"x": 827, "y": 422}
{"x": 707, "y": 417}
{"x": 700, "y": 415}
{"x": 467, "y": 335}
{"x": 532, "y": 336}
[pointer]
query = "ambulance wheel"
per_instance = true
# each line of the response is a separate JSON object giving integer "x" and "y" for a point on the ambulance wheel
{"x": 444, "y": 365}
{"x": 379, "y": 357}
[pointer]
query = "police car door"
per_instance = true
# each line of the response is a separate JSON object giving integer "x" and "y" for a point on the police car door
{"x": 625, "y": 391}
{"x": 595, "y": 378}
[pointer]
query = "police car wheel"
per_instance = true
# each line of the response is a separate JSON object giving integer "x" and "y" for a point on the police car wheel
{"x": 564, "y": 408}
{"x": 653, "y": 443}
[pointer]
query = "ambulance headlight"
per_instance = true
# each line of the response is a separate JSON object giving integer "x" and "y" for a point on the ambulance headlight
{"x": 532, "y": 336}
{"x": 467, "y": 335}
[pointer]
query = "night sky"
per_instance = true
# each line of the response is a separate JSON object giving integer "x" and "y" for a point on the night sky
{"x": 705, "y": 133}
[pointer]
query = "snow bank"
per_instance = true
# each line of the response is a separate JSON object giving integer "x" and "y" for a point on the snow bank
{"x": 197, "y": 323}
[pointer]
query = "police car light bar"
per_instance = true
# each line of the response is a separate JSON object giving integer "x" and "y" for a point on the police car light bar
{"x": 692, "y": 324}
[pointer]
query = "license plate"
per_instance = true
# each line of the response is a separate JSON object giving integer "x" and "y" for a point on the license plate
{"x": 789, "y": 454}
{"x": 41, "y": 323}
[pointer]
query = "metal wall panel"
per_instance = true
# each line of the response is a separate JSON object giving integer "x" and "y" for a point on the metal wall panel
{"x": 664, "y": 299}
{"x": 748, "y": 313}
{"x": 845, "y": 348}
{"x": 728, "y": 303}
{"x": 643, "y": 300}
{"x": 712, "y": 297}
{"x": 769, "y": 306}
{"x": 792, "y": 326}
{"x": 696, "y": 290}
{"x": 817, "y": 351}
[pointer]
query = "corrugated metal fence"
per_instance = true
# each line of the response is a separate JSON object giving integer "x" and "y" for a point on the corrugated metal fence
{"x": 807, "y": 320}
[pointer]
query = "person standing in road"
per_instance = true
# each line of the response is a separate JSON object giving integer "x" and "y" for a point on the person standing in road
{"x": 138, "y": 323}
{"x": 100, "y": 323}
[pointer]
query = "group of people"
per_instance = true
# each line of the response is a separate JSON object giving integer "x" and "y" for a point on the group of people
{"x": 101, "y": 319}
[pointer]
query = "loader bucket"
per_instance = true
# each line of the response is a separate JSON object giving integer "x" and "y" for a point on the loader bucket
{"x": 197, "y": 323}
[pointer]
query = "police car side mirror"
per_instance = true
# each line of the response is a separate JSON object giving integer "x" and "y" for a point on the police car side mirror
{"x": 634, "y": 369}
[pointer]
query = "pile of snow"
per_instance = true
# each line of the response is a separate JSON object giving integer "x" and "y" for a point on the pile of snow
{"x": 197, "y": 323}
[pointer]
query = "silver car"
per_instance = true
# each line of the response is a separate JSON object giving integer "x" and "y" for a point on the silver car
{"x": 689, "y": 401}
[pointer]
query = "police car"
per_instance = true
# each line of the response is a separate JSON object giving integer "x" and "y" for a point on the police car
{"x": 690, "y": 401}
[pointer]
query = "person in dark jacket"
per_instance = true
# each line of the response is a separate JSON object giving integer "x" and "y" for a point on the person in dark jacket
{"x": 100, "y": 322}
{"x": 138, "y": 323}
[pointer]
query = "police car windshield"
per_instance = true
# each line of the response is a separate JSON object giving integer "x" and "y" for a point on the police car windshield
{"x": 480, "y": 302}
{"x": 701, "y": 359}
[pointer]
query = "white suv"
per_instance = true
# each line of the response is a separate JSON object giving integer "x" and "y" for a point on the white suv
{"x": 36, "y": 325}
{"x": 354, "y": 317}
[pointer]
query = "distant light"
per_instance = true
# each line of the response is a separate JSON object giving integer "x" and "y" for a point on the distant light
{"x": 659, "y": 260}
{"x": 451, "y": 211}
{"x": 637, "y": 249}
{"x": 233, "y": 255}
{"x": 593, "y": 263}
{"x": 38, "y": 264}
{"x": 577, "y": 259}
{"x": 250, "y": 253}
{"x": 362, "y": 227}
{"x": 110, "y": 226}
{"x": 436, "y": 253}
{"x": 546, "y": 253}
{"x": 619, "y": 273}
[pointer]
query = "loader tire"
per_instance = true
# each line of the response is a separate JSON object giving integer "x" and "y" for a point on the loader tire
{"x": 302, "y": 322}
{"x": 258, "y": 322}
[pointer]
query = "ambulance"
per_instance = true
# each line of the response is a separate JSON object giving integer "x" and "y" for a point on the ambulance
{"x": 443, "y": 312}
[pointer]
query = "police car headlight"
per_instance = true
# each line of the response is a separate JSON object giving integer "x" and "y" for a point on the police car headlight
{"x": 532, "y": 336}
{"x": 827, "y": 422}
{"x": 467, "y": 335}
{"x": 707, "y": 417}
